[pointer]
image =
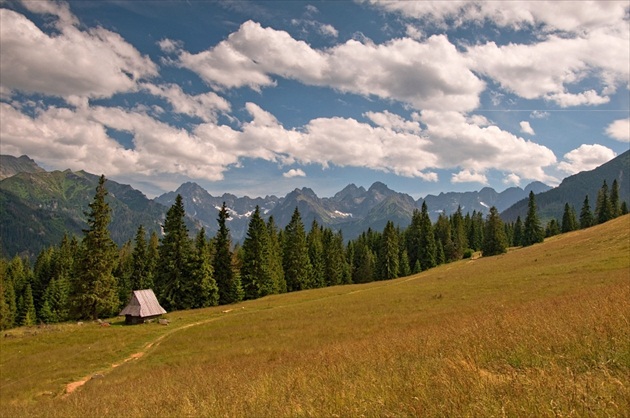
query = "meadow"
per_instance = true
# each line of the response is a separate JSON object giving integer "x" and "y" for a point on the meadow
{"x": 539, "y": 331}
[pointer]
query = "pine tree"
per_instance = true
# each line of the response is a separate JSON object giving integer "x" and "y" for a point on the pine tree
{"x": 532, "y": 231}
{"x": 615, "y": 204}
{"x": 8, "y": 304}
{"x": 229, "y": 283}
{"x": 495, "y": 241}
{"x": 94, "y": 291}
{"x": 428, "y": 247}
{"x": 388, "y": 257}
{"x": 603, "y": 207}
{"x": 403, "y": 265}
{"x": 172, "y": 278}
{"x": 458, "y": 234}
{"x": 569, "y": 220}
{"x": 28, "y": 315}
{"x": 141, "y": 275}
{"x": 203, "y": 286}
{"x": 316, "y": 255}
{"x": 276, "y": 272}
{"x": 552, "y": 228}
{"x": 586, "y": 216}
{"x": 443, "y": 239}
{"x": 295, "y": 261}
{"x": 364, "y": 264}
{"x": 255, "y": 277}
{"x": 412, "y": 241}
{"x": 335, "y": 263}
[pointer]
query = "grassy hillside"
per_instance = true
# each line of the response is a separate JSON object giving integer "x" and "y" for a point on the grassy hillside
{"x": 540, "y": 331}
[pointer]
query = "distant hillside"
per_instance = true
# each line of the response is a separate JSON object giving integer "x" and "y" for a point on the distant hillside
{"x": 573, "y": 189}
{"x": 480, "y": 201}
{"x": 10, "y": 166}
{"x": 37, "y": 208}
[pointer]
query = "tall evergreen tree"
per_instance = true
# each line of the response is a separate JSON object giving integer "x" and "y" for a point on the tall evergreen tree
{"x": 229, "y": 283}
{"x": 428, "y": 247}
{"x": 94, "y": 291}
{"x": 586, "y": 216}
{"x": 141, "y": 274}
{"x": 615, "y": 204}
{"x": 276, "y": 272}
{"x": 552, "y": 228}
{"x": 364, "y": 264}
{"x": 8, "y": 303}
{"x": 412, "y": 241}
{"x": 172, "y": 279}
{"x": 569, "y": 219}
{"x": 204, "y": 289}
{"x": 495, "y": 241}
{"x": 389, "y": 257}
{"x": 458, "y": 234}
{"x": 532, "y": 230}
{"x": 334, "y": 257}
{"x": 603, "y": 208}
{"x": 28, "y": 315}
{"x": 443, "y": 238}
{"x": 316, "y": 255}
{"x": 255, "y": 273}
{"x": 295, "y": 259}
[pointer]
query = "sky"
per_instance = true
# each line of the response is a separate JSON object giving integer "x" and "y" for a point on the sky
{"x": 260, "y": 98}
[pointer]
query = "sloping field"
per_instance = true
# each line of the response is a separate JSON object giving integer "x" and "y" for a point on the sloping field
{"x": 540, "y": 331}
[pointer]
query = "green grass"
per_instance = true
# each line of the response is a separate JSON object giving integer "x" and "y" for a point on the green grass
{"x": 540, "y": 331}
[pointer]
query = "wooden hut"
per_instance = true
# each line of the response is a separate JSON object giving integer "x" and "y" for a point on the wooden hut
{"x": 142, "y": 306}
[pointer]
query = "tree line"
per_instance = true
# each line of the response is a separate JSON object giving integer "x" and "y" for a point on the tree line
{"x": 94, "y": 278}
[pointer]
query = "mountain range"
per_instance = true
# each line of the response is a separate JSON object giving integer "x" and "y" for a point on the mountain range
{"x": 37, "y": 207}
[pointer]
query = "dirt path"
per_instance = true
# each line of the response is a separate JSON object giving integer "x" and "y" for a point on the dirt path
{"x": 71, "y": 387}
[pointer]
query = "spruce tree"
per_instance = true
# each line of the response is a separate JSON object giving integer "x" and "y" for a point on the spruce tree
{"x": 364, "y": 264}
{"x": 569, "y": 220}
{"x": 229, "y": 283}
{"x": 276, "y": 272}
{"x": 495, "y": 241}
{"x": 316, "y": 255}
{"x": 28, "y": 315}
{"x": 586, "y": 216}
{"x": 255, "y": 277}
{"x": 204, "y": 289}
{"x": 172, "y": 278}
{"x": 295, "y": 261}
{"x": 458, "y": 234}
{"x": 8, "y": 303}
{"x": 388, "y": 257}
{"x": 334, "y": 257}
{"x": 615, "y": 204}
{"x": 94, "y": 291}
{"x": 532, "y": 230}
{"x": 428, "y": 247}
{"x": 412, "y": 241}
{"x": 603, "y": 207}
{"x": 141, "y": 274}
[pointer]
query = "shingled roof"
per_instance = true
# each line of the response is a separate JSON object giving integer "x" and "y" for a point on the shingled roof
{"x": 143, "y": 303}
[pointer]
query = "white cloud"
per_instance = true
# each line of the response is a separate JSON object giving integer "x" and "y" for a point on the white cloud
{"x": 468, "y": 176}
{"x": 204, "y": 106}
{"x": 392, "y": 121}
{"x": 512, "y": 179}
{"x": 294, "y": 172}
{"x": 103, "y": 63}
{"x": 526, "y": 128}
{"x": 548, "y": 69}
{"x": 459, "y": 142}
{"x": 539, "y": 114}
{"x": 431, "y": 74}
{"x": 586, "y": 157}
{"x": 552, "y": 15}
{"x": 619, "y": 130}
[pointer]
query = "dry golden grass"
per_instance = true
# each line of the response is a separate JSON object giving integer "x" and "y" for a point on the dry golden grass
{"x": 540, "y": 331}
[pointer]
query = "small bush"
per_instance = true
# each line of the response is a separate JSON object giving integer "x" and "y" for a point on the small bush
{"x": 468, "y": 253}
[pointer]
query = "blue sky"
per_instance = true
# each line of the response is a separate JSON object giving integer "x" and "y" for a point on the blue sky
{"x": 257, "y": 98}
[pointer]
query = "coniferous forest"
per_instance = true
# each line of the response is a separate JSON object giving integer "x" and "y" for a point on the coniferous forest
{"x": 90, "y": 277}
